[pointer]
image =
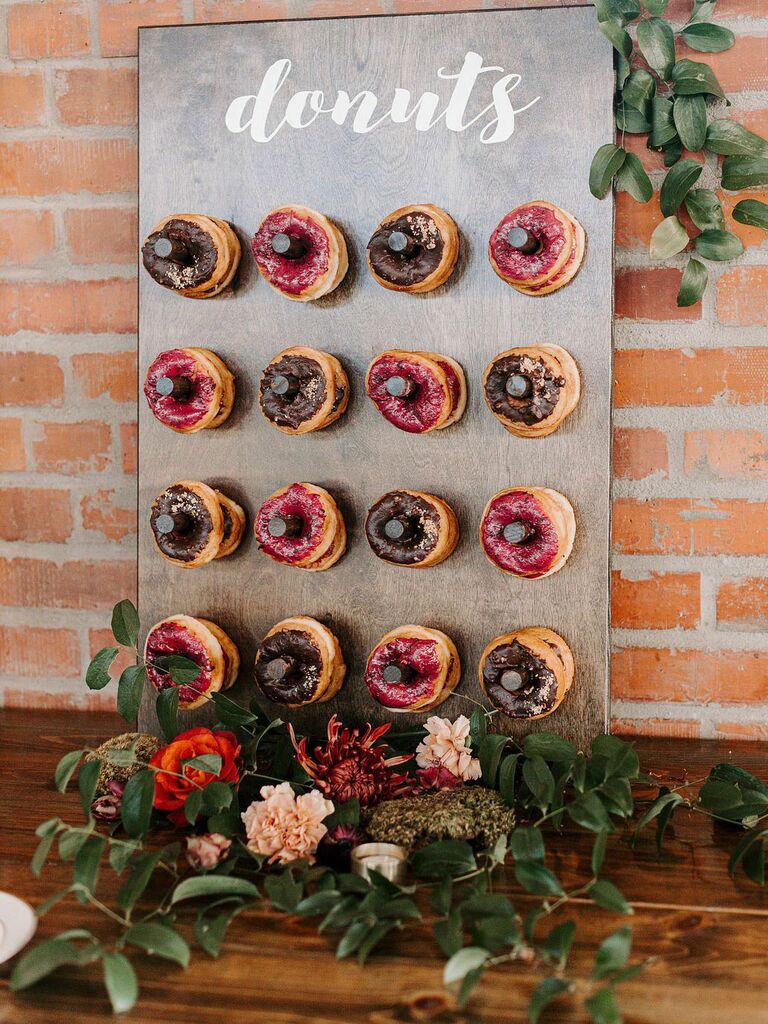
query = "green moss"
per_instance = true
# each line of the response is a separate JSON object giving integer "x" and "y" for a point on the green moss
{"x": 473, "y": 813}
{"x": 146, "y": 746}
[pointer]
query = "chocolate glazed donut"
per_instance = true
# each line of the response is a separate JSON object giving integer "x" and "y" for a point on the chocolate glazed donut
{"x": 411, "y": 528}
{"x": 204, "y": 643}
{"x": 193, "y": 255}
{"x": 300, "y": 253}
{"x": 414, "y": 249}
{"x": 412, "y": 668}
{"x": 192, "y": 524}
{"x": 299, "y": 662}
{"x": 189, "y": 389}
{"x": 303, "y": 390}
{"x": 532, "y": 389}
{"x": 528, "y": 531}
{"x": 527, "y": 673}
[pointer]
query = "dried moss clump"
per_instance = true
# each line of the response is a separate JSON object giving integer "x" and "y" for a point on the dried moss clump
{"x": 146, "y": 746}
{"x": 472, "y": 812}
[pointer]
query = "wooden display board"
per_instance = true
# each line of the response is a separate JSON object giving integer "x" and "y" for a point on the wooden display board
{"x": 470, "y": 164}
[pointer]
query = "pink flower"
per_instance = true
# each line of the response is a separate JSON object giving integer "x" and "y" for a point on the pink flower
{"x": 284, "y": 826}
{"x": 107, "y": 807}
{"x": 206, "y": 852}
{"x": 438, "y": 777}
{"x": 445, "y": 747}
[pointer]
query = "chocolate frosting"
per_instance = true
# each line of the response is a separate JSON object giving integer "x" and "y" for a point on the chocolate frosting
{"x": 228, "y": 524}
{"x": 544, "y": 391}
{"x": 300, "y": 685}
{"x": 538, "y": 692}
{"x": 397, "y": 268}
{"x": 292, "y": 411}
{"x": 202, "y": 251}
{"x": 421, "y": 515}
{"x": 182, "y": 547}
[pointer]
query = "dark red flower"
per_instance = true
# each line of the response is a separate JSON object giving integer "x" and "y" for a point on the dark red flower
{"x": 437, "y": 776}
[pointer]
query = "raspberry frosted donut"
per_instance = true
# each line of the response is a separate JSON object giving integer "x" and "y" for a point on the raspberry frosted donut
{"x": 537, "y": 247}
{"x": 417, "y": 391}
{"x": 189, "y": 389}
{"x": 300, "y": 253}
{"x": 301, "y": 525}
{"x": 299, "y": 662}
{"x": 202, "y": 642}
{"x": 193, "y": 255}
{"x": 411, "y": 528}
{"x": 192, "y": 524}
{"x": 527, "y": 673}
{"x": 528, "y": 531}
{"x": 532, "y": 389}
{"x": 414, "y": 249}
{"x": 303, "y": 390}
{"x": 412, "y": 668}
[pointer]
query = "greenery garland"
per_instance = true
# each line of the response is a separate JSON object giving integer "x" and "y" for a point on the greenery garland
{"x": 543, "y": 780}
{"x": 665, "y": 99}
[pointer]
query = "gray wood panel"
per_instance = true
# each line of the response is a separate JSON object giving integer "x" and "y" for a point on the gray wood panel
{"x": 191, "y": 163}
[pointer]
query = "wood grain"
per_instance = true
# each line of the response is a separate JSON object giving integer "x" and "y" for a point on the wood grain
{"x": 356, "y": 180}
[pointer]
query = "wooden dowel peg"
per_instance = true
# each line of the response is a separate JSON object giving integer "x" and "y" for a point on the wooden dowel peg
{"x": 280, "y": 668}
{"x": 284, "y": 384}
{"x": 285, "y": 526}
{"x": 523, "y": 241}
{"x": 289, "y": 246}
{"x": 518, "y": 386}
{"x": 177, "y": 522}
{"x": 512, "y": 680}
{"x": 401, "y": 387}
{"x": 518, "y": 532}
{"x": 171, "y": 249}
{"x": 173, "y": 387}
{"x": 399, "y": 528}
{"x": 401, "y": 243}
{"x": 395, "y": 673}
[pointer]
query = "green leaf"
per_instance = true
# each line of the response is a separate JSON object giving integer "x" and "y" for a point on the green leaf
{"x": 120, "y": 981}
{"x": 284, "y": 891}
{"x": 729, "y": 138}
{"x": 537, "y": 879}
{"x": 217, "y": 796}
{"x": 441, "y": 897}
{"x": 130, "y": 688}
{"x": 598, "y": 852}
{"x": 539, "y": 779}
{"x": 639, "y": 90}
{"x": 656, "y": 7}
{"x": 71, "y": 841}
{"x": 491, "y": 749}
{"x": 668, "y": 238}
{"x": 136, "y": 807}
{"x": 216, "y": 885}
{"x": 690, "y": 77}
{"x": 119, "y": 857}
{"x": 602, "y": 1007}
{"x": 620, "y": 11}
{"x": 704, "y": 208}
{"x": 65, "y": 769}
{"x": 588, "y": 811}
{"x": 752, "y": 212}
{"x": 125, "y": 623}
{"x": 545, "y": 993}
{"x": 193, "y": 805}
{"x": 230, "y": 713}
{"x": 605, "y": 163}
{"x": 209, "y": 763}
{"x": 632, "y": 178}
{"x": 663, "y": 129}
{"x": 181, "y": 670}
{"x": 677, "y": 184}
{"x": 445, "y": 857}
{"x": 718, "y": 245}
{"x": 478, "y": 728}
{"x": 210, "y": 932}
{"x": 557, "y": 944}
{"x": 373, "y": 938}
{"x": 617, "y": 37}
{"x": 702, "y": 10}
{"x": 753, "y": 862}
{"x": 630, "y": 120}
{"x": 527, "y": 844}
{"x": 40, "y": 855}
{"x": 461, "y": 963}
{"x": 549, "y": 745}
{"x": 744, "y": 172}
{"x": 616, "y": 795}
{"x": 507, "y": 774}
{"x": 612, "y": 953}
{"x": 159, "y": 940}
{"x": 690, "y": 116}
{"x": 347, "y": 813}
{"x": 657, "y": 44}
{"x": 86, "y": 866}
{"x": 97, "y": 674}
{"x": 87, "y": 779}
{"x": 606, "y": 895}
{"x": 351, "y": 939}
{"x": 42, "y": 960}
{"x": 138, "y": 880}
{"x": 448, "y": 933}
{"x": 320, "y": 902}
{"x": 167, "y": 709}
{"x": 708, "y": 38}
{"x": 692, "y": 283}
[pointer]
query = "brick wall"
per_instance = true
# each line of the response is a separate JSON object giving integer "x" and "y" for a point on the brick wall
{"x": 690, "y": 580}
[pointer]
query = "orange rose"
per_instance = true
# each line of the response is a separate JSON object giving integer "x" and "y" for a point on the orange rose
{"x": 171, "y": 790}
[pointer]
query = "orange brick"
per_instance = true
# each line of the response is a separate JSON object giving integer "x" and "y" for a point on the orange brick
{"x": 42, "y": 167}
{"x": 119, "y": 23}
{"x": 743, "y": 68}
{"x": 68, "y": 307}
{"x": 48, "y": 30}
{"x": 749, "y": 236}
{"x": 743, "y": 604}
{"x": 690, "y": 526}
{"x": 635, "y": 222}
{"x": 99, "y": 638}
{"x": 753, "y": 120}
{"x": 651, "y": 295}
{"x": 128, "y": 447}
{"x": 658, "y": 601}
{"x": 12, "y": 457}
{"x": 35, "y": 514}
{"x": 30, "y": 378}
{"x": 680, "y": 10}
{"x": 728, "y": 376}
{"x": 22, "y": 101}
{"x": 649, "y": 158}
{"x": 726, "y": 454}
{"x": 80, "y": 699}
{"x": 639, "y": 452}
{"x": 26, "y": 236}
{"x": 673, "y": 728}
{"x": 240, "y": 10}
{"x": 700, "y": 677}
{"x": 104, "y": 235}
{"x": 88, "y": 585}
{"x": 107, "y": 373}
{"x": 343, "y": 8}
{"x": 73, "y": 448}
{"x": 97, "y": 96}
{"x": 31, "y": 651}
{"x": 102, "y": 513}
{"x": 742, "y": 297}
{"x": 742, "y": 730}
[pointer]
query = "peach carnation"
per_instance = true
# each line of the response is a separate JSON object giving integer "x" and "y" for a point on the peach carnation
{"x": 284, "y": 826}
{"x": 446, "y": 746}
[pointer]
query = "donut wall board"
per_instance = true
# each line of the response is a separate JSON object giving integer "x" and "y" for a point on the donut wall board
{"x": 478, "y": 115}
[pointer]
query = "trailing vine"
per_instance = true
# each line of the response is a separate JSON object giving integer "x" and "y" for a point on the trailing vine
{"x": 666, "y": 100}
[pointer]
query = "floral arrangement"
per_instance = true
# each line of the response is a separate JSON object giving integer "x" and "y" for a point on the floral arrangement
{"x": 247, "y": 812}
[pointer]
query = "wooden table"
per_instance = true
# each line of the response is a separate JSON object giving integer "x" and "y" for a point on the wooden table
{"x": 710, "y": 934}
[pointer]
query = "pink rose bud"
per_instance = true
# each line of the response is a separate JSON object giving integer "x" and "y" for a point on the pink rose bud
{"x": 106, "y": 808}
{"x": 205, "y": 852}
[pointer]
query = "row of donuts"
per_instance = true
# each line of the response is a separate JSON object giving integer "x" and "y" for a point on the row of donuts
{"x": 525, "y": 673}
{"x": 527, "y": 532}
{"x": 530, "y": 389}
{"x": 537, "y": 248}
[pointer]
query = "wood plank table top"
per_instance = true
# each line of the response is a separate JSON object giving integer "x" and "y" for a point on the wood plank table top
{"x": 710, "y": 934}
